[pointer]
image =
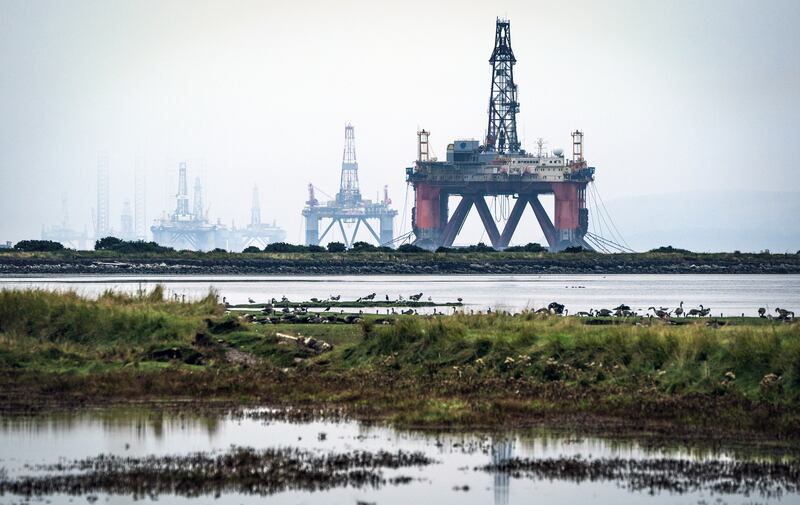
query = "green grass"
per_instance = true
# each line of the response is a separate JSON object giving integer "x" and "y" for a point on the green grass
{"x": 458, "y": 369}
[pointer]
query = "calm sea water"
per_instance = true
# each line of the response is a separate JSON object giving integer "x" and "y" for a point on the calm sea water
{"x": 725, "y": 294}
{"x": 136, "y": 433}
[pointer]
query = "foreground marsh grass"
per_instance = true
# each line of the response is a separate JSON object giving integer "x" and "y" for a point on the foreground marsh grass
{"x": 469, "y": 370}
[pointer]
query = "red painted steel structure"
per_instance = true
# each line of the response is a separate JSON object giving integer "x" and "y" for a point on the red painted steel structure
{"x": 500, "y": 167}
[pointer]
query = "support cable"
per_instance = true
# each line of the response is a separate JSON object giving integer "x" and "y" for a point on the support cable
{"x": 622, "y": 239}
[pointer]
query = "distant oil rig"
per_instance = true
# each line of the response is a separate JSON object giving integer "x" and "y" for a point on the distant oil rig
{"x": 500, "y": 167}
{"x": 348, "y": 207}
{"x": 185, "y": 229}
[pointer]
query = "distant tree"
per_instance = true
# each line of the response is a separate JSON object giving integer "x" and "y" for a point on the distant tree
{"x": 129, "y": 246}
{"x": 251, "y": 249}
{"x": 217, "y": 250}
{"x": 283, "y": 247}
{"x": 529, "y": 247}
{"x": 315, "y": 248}
{"x": 107, "y": 243}
{"x": 363, "y": 247}
{"x": 480, "y": 247}
{"x": 574, "y": 249}
{"x": 670, "y": 249}
{"x": 410, "y": 248}
{"x": 38, "y": 246}
{"x": 336, "y": 247}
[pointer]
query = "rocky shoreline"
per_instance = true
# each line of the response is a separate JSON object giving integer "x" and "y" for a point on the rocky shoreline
{"x": 597, "y": 264}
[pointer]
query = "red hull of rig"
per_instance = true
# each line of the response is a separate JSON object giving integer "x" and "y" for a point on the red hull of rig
{"x": 434, "y": 225}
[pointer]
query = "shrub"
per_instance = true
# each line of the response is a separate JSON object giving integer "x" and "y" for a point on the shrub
{"x": 363, "y": 247}
{"x": 670, "y": 249}
{"x": 410, "y": 248}
{"x": 336, "y": 247}
{"x": 529, "y": 247}
{"x": 251, "y": 249}
{"x": 284, "y": 247}
{"x": 129, "y": 246}
{"x": 38, "y": 246}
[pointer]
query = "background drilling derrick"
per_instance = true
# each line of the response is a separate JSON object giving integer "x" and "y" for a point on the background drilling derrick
{"x": 348, "y": 207}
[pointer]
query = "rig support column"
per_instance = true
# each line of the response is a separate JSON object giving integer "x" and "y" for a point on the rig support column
{"x": 567, "y": 215}
{"x": 428, "y": 223}
{"x": 312, "y": 228}
{"x": 387, "y": 230}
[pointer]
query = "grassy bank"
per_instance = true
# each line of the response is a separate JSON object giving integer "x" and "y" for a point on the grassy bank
{"x": 468, "y": 370}
{"x": 391, "y": 262}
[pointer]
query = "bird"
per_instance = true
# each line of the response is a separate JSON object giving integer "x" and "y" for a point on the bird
{"x": 460, "y": 299}
{"x": 679, "y": 310}
{"x": 662, "y": 314}
{"x": 695, "y": 312}
{"x": 387, "y": 298}
{"x": 622, "y": 306}
{"x": 251, "y": 300}
{"x": 761, "y": 312}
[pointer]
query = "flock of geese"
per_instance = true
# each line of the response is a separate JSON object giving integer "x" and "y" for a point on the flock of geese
{"x": 553, "y": 308}
{"x": 623, "y": 310}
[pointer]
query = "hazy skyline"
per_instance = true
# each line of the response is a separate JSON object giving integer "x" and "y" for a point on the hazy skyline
{"x": 672, "y": 97}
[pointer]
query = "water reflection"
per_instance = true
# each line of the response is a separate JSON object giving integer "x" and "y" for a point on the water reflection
{"x": 137, "y": 433}
{"x": 502, "y": 451}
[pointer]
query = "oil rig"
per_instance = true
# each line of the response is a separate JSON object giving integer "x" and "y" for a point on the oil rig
{"x": 185, "y": 229}
{"x": 188, "y": 229}
{"x": 348, "y": 207}
{"x": 500, "y": 167}
{"x": 256, "y": 234}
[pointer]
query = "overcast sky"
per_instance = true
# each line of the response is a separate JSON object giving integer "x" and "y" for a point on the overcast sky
{"x": 672, "y": 96}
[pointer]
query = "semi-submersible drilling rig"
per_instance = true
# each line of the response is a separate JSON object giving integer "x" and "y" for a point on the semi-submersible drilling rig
{"x": 500, "y": 167}
{"x": 349, "y": 207}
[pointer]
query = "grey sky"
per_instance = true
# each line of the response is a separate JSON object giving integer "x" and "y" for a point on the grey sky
{"x": 700, "y": 95}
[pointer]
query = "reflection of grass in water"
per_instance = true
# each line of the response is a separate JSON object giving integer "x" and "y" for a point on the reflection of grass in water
{"x": 240, "y": 470}
{"x": 768, "y": 479}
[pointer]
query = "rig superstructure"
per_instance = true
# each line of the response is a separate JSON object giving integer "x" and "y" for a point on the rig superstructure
{"x": 348, "y": 207}
{"x": 500, "y": 167}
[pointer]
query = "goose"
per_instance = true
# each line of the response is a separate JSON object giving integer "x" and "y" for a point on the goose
{"x": 704, "y": 312}
{"x": 761, "y": 312}
{"x": 603, "y": 313}
{"x": 251, "y": 300}
{"x": 336, "y": 298}
{"x": 679, "y": 310}
{"x": 622, "y": 307}
{"x": 784, "y": 314}
{"x": 695, "y": 312}
{"x": 661, "y": 314}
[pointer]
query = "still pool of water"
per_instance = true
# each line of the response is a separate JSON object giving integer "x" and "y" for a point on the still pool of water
{"x": 452, "y": 479}
{"x": 730, "y": 295}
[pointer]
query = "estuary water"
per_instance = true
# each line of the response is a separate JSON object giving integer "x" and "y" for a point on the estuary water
{"x": 730, "y": 295}
{"x": 454, "y": 477}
